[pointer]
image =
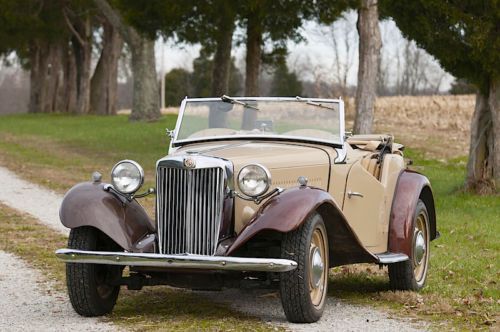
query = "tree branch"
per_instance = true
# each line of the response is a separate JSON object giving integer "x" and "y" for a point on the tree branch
{"x": 72, "y": 28}
{"x": 114, "y": 19}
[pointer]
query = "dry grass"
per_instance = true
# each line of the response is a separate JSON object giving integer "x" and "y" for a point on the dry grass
{"x": 438, "y": 125}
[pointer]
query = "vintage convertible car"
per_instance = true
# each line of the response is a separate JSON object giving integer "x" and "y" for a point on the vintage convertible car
{"x": 255, "y": 192}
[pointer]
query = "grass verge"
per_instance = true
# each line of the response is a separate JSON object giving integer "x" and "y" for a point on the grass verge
{"x": 58, "y": 151}
{"x": 152, "y": 309}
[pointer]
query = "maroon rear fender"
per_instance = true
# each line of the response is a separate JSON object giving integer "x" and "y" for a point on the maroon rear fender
{"x": 411, "y": 187}
{"x": 289, "y": 210}
{"x": 125, "y": 222}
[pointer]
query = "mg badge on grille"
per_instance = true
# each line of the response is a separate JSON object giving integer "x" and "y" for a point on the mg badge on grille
{"x": 189, "y": 163}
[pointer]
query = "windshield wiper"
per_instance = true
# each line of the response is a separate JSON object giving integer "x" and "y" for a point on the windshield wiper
{"x": 309, "y": 102}
{"x": 230, "y": 100}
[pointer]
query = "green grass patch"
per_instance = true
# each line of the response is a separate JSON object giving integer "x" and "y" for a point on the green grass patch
{"x": 57, "y": 151}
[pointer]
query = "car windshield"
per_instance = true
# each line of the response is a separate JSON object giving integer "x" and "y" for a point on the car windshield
{"x": 280, "y": 118}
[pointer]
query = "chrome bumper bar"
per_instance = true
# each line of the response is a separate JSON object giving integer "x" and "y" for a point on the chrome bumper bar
{"x": 185, "y": 261}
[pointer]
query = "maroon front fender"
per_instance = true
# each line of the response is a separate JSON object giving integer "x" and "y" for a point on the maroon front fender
{"x": 289, "y": 210}
{"x": 125, "y": 222}
{"x": 411, "y": 187}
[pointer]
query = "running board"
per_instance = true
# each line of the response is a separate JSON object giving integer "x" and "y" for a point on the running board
{"x": 390, "y": 257}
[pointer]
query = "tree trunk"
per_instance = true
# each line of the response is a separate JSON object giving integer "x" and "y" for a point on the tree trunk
{"x": 69, "y": 93}
{"x": 81, "y": 43}
{"x": 481, "y": 152}
{"x": 254, "y": 45}
{"x": 369, "y": 54}
{"x": 145, "y": 104}
{"x": 45, "y": 76}
{"x": 36, "y": 70}
{"x": 494, "y": 105}
{"x": 104, "y": 84}
{"x": 222, "y": 63}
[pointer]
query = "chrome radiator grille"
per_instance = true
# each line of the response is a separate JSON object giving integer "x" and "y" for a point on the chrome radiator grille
{"x": 189, "y": 209}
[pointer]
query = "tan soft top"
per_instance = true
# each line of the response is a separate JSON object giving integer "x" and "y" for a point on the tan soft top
{"x": 372, "y": 142}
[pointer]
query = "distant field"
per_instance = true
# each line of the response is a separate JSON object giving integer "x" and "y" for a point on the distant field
{"x": 438, "y": 125}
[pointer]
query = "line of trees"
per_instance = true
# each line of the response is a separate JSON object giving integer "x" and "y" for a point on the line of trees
{"x": 56, "y": 39}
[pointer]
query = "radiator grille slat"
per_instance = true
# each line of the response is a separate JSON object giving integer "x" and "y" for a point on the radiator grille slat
{"x": 189, "y": 209}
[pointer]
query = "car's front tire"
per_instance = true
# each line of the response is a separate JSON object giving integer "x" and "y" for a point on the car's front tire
{"x": 303, "y": 290}
{"x": 412, "y": 274}
{"x": 92, "y": 288}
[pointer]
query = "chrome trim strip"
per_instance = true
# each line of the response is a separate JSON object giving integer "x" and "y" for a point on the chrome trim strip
{"x": 177, "y": 261}
{"x": 390, "y": 257}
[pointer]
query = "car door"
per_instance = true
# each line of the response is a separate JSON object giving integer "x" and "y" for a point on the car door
{"x": 365, "y": 207}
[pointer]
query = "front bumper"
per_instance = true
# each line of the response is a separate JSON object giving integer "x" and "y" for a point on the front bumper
{"x": 186, "y": 261}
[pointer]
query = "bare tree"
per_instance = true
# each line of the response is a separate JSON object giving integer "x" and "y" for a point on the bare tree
{"x": 417, "y": 72}
{"x": 342, "y": 40}
{"x": 369, "y": 53}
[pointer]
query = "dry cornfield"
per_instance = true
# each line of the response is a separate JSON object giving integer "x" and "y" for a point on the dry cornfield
{"x": 437, "y": 125}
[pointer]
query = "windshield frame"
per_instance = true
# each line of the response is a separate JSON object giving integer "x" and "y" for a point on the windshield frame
{"x": 175, "y": 142}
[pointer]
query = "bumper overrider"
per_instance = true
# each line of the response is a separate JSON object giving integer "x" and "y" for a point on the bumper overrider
{"x": 185, "y": 261}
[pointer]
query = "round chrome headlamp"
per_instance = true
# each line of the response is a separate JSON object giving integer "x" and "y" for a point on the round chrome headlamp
{"x": 127, "y": 176}
{"x": 254, "y": 180}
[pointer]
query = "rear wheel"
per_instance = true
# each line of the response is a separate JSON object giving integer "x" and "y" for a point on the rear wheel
{"x": 92, "y": 288}
{"x": 411, "y": 274}
{"x": 303, "y": 290}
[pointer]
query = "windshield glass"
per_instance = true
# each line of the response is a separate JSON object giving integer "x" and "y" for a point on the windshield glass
{"x": 309, "y": 119}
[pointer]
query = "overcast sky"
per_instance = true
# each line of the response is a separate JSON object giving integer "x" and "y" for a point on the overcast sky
{"x": 316, "y": 57}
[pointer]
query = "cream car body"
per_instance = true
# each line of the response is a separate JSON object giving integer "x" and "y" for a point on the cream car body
{"x": 253, "y": 190}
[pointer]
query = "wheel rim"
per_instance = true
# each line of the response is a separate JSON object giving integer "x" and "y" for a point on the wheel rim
{"x": 318, "y": 267}
{"x": 420, "y": 248}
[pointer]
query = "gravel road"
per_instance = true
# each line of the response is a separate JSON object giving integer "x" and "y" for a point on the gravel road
{"x": 27, "y": 197}
{"x": 27, "y": 304}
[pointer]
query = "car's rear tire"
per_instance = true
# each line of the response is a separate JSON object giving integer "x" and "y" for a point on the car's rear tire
{"x": 412, "y": 274}
{"x": 303, "y": 290}
{"x": 92, "y": 288}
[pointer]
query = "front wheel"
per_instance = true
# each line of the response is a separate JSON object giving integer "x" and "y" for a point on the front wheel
{"x": 303, "y": 290}
{"x": 411, "y": 274}
{"x": 92, "y": 288}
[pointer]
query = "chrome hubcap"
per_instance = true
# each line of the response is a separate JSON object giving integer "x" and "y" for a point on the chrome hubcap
{"x": 419, "y": 247}
{"x": 317, "y": 267}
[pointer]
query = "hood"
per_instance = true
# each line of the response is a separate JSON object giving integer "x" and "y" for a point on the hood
{"x": 273, "y": 155}
{"x": 286, "y": 161}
